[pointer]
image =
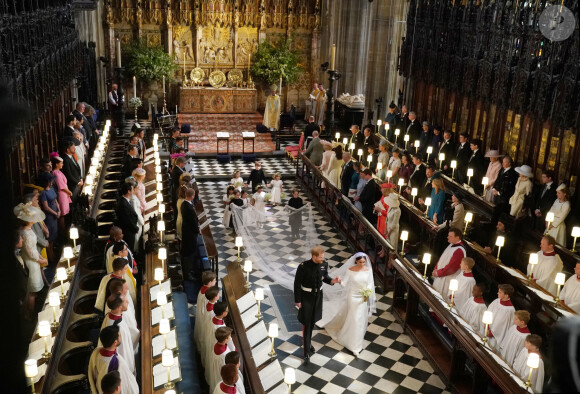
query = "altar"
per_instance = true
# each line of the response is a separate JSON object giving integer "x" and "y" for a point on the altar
{"x": 210, "y": 100}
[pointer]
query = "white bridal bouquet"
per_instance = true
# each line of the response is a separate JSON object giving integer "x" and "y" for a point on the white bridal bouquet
{"x": 366, "y": 293}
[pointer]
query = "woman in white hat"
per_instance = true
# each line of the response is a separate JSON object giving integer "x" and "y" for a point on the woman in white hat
{"x": 28, "y": 215}
{"x": 560, "y": 209}
{"x": 493, "y": 170}
{"x": 523, "y": 188}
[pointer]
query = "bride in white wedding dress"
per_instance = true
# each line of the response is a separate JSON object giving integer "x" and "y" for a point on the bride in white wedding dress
{"x": 346, "y": 309}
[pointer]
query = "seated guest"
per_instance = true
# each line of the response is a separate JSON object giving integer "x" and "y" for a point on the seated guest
{"x": 105, "y": 359}
{"x": 371, "y": 193}
{"x": 229, "y": 380}
{"x": 202, "y": 323}
{"x": 127, "y": 218}
{"x": 503, "y": 315}
{"x": 213, "y": 366}
{"x": 478, "y": 164}
{"x": 560, "y": 209}
{"x": 130, "y": 334}
{"x": 466, "y": 282}
{"x": 513, "y": 341}
{"x": 531, "y": 345}
{"x": 436, "y": 211}
{"x": 505, "y": 184}
{"x": 233, "y": 358}
{"x": 522, "y": 190}
{"x": 111, "y": 383}
{"x": 474, "y": 308}
{"x": 549, "y": 264}
{"x": 449, "y": 262}
{"x": 116, "y": 235}
{"x": 545, "y": 198}
{"x": 570, "y": 294}
{"x": 456, "y": 216}
{"x": 492, "y": 172}
{"x": 119, "y": 271}
{"x": 128, "y": 160}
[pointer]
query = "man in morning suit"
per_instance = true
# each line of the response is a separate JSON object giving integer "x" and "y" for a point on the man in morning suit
{"x": 70, "y": 167}
{"x": 310, "y": 128}
{"x": 357, "y": 138}
{"x": 91, "y": 134}
{"x": 314, "y": 151}
{"x": 417, "y": 178}
{"x": 425, "y": 138}
{"x": 505, "y": 185}
{"x": 189, "y": 232}
{"x": 463, "y": 154}
{"x": 257, "y": 176}
{"x": 403, "y": 119}
{"x": 478, "y": 164}
{"x": 127, "y": 218}
{"x": 392, "y": 121}
{"x": 128, "y": 160}
{"x": 414, "y": 129}
{"x": 308, "y": 295}
{"x": 448, "y": 149}
{"x": 544, "y": 199}
{"x": 70, "y": 121}
{"x": 346, "y": 173}
{"x": 371, "y": 139}
{"x": 370, "y": 194}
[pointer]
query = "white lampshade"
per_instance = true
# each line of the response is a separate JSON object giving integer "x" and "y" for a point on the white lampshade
{"x": 428, "y": 201}
{"x": 499, "y": 241}
{"x": 414, "y": 191}
{"x": 30, "y": 368}
{"x": 167, "y": 358}
{"x": 157, "y": 169}
{"x": 89, "y": 179}
{"x": 44, "y": 329}
{"x": 159, "y": 186}
{"x": 345, "y": 141}
{"x": 406, "y": 138}
{"x": 156, "y": 136}
{"x": 387, "y": 126}
{"x": 259, "y": 294}
{"x": 239, "y": 242}
{"x": 468, "y": 217}
{"x": 397, "y": 131}
{"x": 97, "y": 153}
{"x": 533, "y": 360}
{"x": 379, "y": 166}
{"x": 487, "y": 317}
{"x": 108, "y": 123}
{"x": 289, "y": 376}
{"x": 248, "y": 265}
{"x": 550, "y": 217}
{"x": 161, "y": 208}
{"x": 533, "y": 259}
{"x": 560, "y": 278}
{"x": 156, "y": 154}
{"x": 67, "y": 253}
{"x": 159, "y": 275}
{"x": 575, "y": 232}
{"x": 379, "y": 122}
{"x": 389, "y": 174}
{"x": 273, "y": 330}
{"x": 485, "y": 181}
{"x": 74, "y": 233}
{"x": 88, "y": 190}
{"x": 337, "y": 135}
{"x": 441, "y": 156}
{"x": 162, "y": 254}
{"x": 102, "y": 147}
{"x": 159, "y": 178}
{"x": 93, "y": 171}
{"x": 351, "y": 146}
{"x": 417, "y": 143}
{"x": 161, "y": 298}
{"x": 404, "y": 235}
{"x": 453, "y": 285}
{"x": 164, "y": 327}
{"x": 427, "y": 258}
{"x": 429, "y": 149}
{"x": 401, "y": 182}
{"x": 370, "y": 158}
{"x": 453, "y": 163}
{"x": 155, "y": 148}
{"x": 61, "y": 273}
{"x": 158, "y": 162}
{"x": 159, "y": 197}
{"x": 360, "y": 152}
{"x": 170, "y": 392}
{"x": 53, "y": 299}
{"x": 95, "y": 161}
{"x": 161, "y": 225}
{"x": 470, "y": 172}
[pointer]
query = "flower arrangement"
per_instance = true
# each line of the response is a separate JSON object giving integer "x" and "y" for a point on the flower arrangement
{"x": 283, "y": 196}
{"x": 148, "y": 63}
{"x": 366, "y": 293}
{"x": 274, "y": 61}
{"x": 268, "y": 197}
{"x": 135, "y": 102}
{"x": 238, "y": 184}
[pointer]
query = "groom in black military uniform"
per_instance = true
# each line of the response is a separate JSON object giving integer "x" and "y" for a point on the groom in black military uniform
{"x": 308, "y": 294}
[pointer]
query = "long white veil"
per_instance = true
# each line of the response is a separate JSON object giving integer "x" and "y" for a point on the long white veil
{"x": 335, "y": 297}
{"x": 269, "y": 242}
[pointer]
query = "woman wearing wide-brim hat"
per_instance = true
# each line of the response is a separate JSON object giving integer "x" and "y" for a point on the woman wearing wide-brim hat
{"x": 523, "y": 188}
{"x": 492, "y": 172}
{"x": 27, "y": 216}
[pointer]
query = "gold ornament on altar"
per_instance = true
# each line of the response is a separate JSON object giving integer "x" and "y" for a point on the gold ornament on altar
{"x": 197, "y": 75}
{"x": 217, "y": 79}
{"x": 236, "y": 76}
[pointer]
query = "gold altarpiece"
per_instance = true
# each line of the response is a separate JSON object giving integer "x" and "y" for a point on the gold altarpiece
{"x": 218, "y": 35}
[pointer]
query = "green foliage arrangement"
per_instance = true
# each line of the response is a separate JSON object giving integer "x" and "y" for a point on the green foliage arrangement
{"x": 148, "y": 63}
{"x": 274, "y": 61}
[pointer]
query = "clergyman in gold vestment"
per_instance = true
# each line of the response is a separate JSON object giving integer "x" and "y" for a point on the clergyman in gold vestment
{"x": 272, "y": 112}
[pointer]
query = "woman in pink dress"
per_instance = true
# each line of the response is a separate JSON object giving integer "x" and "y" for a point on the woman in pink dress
{"x": 64, "y": 195}
{"x": 139, "y": 175}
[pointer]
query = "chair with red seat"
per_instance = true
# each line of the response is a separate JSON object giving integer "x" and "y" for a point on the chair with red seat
{"x": 292, "y": 151}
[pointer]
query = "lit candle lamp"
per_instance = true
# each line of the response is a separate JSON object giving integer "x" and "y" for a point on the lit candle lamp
{"x": 290, "y": 378}
{"x": 469, "y": 175}
{"x": 159, "y": 197}
{"x": 453, "y": 286}
{"x": 156, "y": 155}
{"x": 272, "y": 333}
{"x": 417, "y": 145}
{"x": 406, "y": 139}
{"x": 158, "y": 169}
{"x": 164, "y": 329}
{"x": 88, "y": 190}
{"x": 369, "y": 159}
{"x": 429, "y": 151}
{"x": 426, "y": 261}
{"x": 533, "y": 362}
{"x": 157, "y": 162}
{"x": 161, "y": 210}
{"x": 44, "y": 332}
{"x": 487, "y": 319}
{"x": 239, "y": 242}
{"x": 155, "y": 148}
{"x": 379, "y": 166}
{"x": 247, "y": 270}
{"x": 159, "y": 186}
{"x": 404, "y": 237}
{"x": 345, "y": 141}
{"x": 468, "y": 219}
{"x": 161, "y": 229}
{"x": 89, "y": 179}
{"x": 68, "y": 254}
{"x": 337, "y": 136}
{"x": 533, "y": 261}
{"x": 441, "y": 159}
{"x": 389, "y": 175}
{"x": 159, "y": 178}
{"x": 560, "y": 280}
{"x": 259, "y": 296}
{"x": 401, "y": 183}
{"x": 351, "y": 147}
{"x": 360, "y": 153}
{"x": 155, "y": 137}
{"x": 397, "y": 132}
{"x": 484, "y": 182}
{"x": 159, "y": 276}
{"x": 162, "y": 301}
{"x": 167, "y": 362}
{"x": 414, "y": 194}
{"x": 575, "y": 234}
{"x": 162, "y": 255}
{"x": 499, "y": 242}
{"x": 31, "y": 371}
{"x": 379, "y": 123}
{"x": 54, "y": 302}
{"x": 549, "y": 220}
{"x": 74, "y": 235}
{"x": 108, "y": 123}
{"x": 427, "y": 204}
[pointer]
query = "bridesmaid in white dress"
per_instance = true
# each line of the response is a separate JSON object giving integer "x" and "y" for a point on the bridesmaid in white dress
{"x": 227, "y": 213}
{"x": 276, "y": 186}
{"x": 561, "y": 209}
{"x": 259, "y": 203}
{"x": 346, "y": 316}
{"x": 237, "y": 181}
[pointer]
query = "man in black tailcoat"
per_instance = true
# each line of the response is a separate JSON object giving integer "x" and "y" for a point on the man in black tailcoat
{"x": 190, "y": 232}
{"x": 127, "y": 218}
{"x": 370, "y": 194}
{"x": 545, "y": 197}
{"x": 346, "y": 173}
{"x": 257, "y": 176}
{"x": 308, "y": 295}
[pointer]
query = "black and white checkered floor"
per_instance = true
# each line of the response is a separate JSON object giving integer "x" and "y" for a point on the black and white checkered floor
{"x": 205, "y": 168}
{"x": 390, "y": 363}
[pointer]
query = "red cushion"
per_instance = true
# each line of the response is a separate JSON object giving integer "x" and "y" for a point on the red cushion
{"x": 292, "y": 148}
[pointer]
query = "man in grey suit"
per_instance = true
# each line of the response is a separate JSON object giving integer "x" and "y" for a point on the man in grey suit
{"x": 315, "y": 150}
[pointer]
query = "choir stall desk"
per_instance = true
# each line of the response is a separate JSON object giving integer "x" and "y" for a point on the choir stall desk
{"x": 248, "y": 136}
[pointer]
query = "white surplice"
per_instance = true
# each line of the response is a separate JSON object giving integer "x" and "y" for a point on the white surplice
{"x": 513, "y": 343}
{"x": 215, "y": 363}
{"x": 100, "y": 365}
{"x": 521, "y": 369}
{"x": 549, "y": 264}
{"x": 570, "y": 294}
{"x": 199, "y": 310}
{"x": 214, "y": 324}
{"x": 473, "y": 313}
{"x": 129, "y": 338}
{"x": 466, "y": 281}
{"x": 202, "y": 323}
{"x": 503, "y": 318}
{"x": 101, "y": 301}
{"x": 447, "y": 268}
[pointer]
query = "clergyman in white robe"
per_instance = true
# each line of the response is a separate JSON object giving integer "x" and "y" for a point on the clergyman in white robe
{"x": 570, "y": 294}
{"x": 549, "y": 264}
{"x": 103, "y": 361}
{"x": 447, "y": 268}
